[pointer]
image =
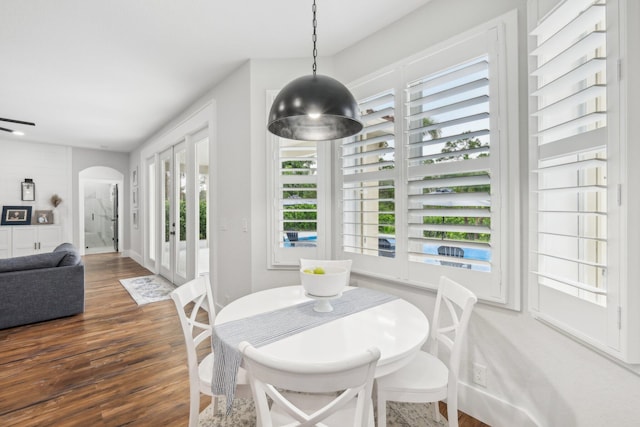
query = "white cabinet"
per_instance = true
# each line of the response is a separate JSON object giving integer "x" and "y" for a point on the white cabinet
{"x": 5, "y": 242}
{"x": 35, "y": 239}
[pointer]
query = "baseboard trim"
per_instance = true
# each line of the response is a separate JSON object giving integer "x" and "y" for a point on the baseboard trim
{"x": 134, "y": 256}
{"x": 492, "y": 410}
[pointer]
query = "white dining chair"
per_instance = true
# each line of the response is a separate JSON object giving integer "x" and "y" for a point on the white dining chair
{"x": 324, "y": 263}
{"x": 310, "y": 394}
{"x": 426, "y": 378}
{"x": 196, "y": 310}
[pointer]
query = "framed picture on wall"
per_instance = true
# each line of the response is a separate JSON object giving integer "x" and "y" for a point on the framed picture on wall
{"x": 134, "y": 176}
{"x": 134, "y": 197}
{"x": 134, "y": 218}
{"x": 16, "y": 215}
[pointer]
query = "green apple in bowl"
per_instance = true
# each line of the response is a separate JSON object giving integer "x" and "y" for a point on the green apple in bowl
{"x": 324, "y": 281}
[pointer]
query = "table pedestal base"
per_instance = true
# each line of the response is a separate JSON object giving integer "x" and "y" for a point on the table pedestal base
{"x": 323, "y": 304}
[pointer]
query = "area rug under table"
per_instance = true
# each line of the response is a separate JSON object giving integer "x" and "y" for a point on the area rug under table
{"x": 148, "y": 289}
{"x": 398, "y": 415}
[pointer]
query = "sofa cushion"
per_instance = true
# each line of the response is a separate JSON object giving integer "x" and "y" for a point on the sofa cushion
{"x": 31, "y": 262}
{"x": 71, "y": 255}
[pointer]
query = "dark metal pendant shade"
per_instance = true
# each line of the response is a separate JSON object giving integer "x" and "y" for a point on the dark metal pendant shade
{"x": 314, "y": 108}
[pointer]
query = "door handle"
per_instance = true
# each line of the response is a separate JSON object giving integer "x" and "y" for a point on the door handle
{"x": 173, "y": 233}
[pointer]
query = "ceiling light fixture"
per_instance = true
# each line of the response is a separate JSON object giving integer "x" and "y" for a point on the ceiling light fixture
{"x": 314, "y": 107}
{"x": 20, "y": 122}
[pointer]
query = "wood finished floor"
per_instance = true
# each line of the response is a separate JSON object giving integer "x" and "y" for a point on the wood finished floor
{"x": 118, "y": 364}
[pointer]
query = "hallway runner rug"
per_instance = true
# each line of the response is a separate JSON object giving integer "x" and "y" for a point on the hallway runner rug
{"x": 148, "y": 289}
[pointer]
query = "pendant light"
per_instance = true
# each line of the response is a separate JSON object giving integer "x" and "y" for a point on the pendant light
{"x": 314, "y": 107}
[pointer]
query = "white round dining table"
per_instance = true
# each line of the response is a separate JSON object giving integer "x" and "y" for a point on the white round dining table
{"x": 397, "y": 328}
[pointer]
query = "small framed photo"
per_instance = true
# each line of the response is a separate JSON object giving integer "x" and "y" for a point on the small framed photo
{"x": 16, "y": 215}
{"x": 134, "y": 218}
{"x": 28, "y": 190}
{"x": 134, "y": 197}
{"x": 43, "y": 217}
{"x": 134, "y": 177}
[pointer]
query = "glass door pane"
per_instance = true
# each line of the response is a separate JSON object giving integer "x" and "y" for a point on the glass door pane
{"x": 202, "y": 159}
{"x": 100, "y": 218}
{"x": 166, "y": 195}
{"x": 180, "y": 163}
{"x": 152, "y": 208}
{"x": 115, "y": 224}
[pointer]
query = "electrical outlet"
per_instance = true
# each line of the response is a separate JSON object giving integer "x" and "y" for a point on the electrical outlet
{"x": 480, "y": 374}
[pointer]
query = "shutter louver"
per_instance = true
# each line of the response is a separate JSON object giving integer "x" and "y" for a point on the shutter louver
{"x": 368, "y": 196}
{"x": 571, "y": 139}
{"x": 449, "y": 168}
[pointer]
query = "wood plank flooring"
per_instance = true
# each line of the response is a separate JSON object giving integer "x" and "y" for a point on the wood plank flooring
{"x": 118, "y": 364}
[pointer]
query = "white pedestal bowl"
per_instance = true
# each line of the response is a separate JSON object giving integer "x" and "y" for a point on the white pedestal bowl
{"x": 324, "y": 287}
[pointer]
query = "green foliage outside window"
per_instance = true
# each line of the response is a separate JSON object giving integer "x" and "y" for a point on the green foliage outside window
{"x": 452, "y": 147}
{"x": 183, "y": 223}
{"x": 301, "y": 212}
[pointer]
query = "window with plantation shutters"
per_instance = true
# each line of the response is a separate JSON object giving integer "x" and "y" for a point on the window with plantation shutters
{"x": 574, "y": 273}
{"x": 368, "y": 181}
{"x": 296, "y": 220}
{"x": 456, "y": 186}
{"x": 449, "y": 168}
{"x": 427, "y": 188}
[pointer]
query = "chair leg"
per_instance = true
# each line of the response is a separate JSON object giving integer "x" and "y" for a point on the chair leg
{"x": 194, "y": 409}
{"x": 382, "y": 410}
{"x": 436, "y": 411}
{"x": 214, "y": 402}
{"x": 452, "y": 411}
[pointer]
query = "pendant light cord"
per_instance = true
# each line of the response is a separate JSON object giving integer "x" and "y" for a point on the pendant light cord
{"x": 314, "y": 38}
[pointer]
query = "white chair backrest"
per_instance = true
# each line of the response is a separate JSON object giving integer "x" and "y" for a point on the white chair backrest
{"x": 190, "y": 300}
{"x": 324, "y": 263}
{"x": 352, "y": 377}
{"x": 450, "y": 332}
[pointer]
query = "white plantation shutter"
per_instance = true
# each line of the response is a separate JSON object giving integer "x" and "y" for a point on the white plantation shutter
{"x": 454, "y": 158}
{"x": 571, "y": 139}
{"x": 297, "y": 193}
{"x": 571, "y": 195}
{"x": 368, "y": 180}
{"x": 449, "y": 174}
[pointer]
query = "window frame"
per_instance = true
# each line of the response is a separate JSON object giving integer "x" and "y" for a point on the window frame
{"x": 609, "y": 330}
{"x": 399, "y": 269}
{"x": 289, "y": 257}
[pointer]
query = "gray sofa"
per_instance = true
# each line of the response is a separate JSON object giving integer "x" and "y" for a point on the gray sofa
{"x": 41, "y": 287}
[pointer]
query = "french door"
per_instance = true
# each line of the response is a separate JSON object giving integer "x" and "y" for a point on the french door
{"x": 178, "y": 230}
{"x": 174, "y": 239}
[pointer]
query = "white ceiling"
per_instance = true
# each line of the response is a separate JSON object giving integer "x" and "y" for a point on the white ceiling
{"x": 108, "y": 74}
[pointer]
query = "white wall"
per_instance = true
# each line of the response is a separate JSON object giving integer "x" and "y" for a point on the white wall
{"x": 230, "y": 260}
{"x": 50, "y": 168}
